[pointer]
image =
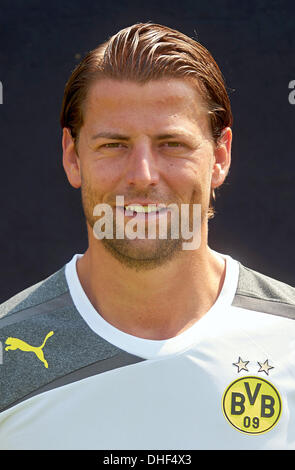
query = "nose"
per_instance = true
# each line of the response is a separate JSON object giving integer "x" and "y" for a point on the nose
{"x": 142, "y": 170}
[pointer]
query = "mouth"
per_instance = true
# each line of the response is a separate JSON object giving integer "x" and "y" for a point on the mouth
{"x": 143, "y": 210}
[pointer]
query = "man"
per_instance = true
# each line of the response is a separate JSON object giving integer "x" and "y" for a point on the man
{"x": 148, "y": 342}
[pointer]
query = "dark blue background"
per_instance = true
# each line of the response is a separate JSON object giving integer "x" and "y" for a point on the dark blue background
{"x": 42, "y": 224}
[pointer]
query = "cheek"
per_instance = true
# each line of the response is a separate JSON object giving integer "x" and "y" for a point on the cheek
{"x": 185, "y": 177}
{"x": 201, "y": 174}
{"x": 101, "y": 178}
{"x": 194, "y": 184}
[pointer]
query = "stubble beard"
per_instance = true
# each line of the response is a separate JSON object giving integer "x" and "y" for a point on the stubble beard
{"x": 135, "y": 254}
{"x": 140, "y": 255}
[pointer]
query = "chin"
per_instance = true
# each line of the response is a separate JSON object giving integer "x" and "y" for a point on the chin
{"x": 143, "y": 255}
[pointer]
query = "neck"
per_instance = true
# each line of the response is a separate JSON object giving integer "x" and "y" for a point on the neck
{"x": 155, "y": 304}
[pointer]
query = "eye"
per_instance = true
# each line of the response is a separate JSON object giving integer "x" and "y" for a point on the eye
{"x": 112, "y": 145}
{"x": 173, "y": 144}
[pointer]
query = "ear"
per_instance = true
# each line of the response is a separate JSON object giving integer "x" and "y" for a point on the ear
{"x": 222, "y": 155}
{"x": 71, "y": 161}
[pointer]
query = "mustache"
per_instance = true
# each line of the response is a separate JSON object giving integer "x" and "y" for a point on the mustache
{"x": 149, "y": 195}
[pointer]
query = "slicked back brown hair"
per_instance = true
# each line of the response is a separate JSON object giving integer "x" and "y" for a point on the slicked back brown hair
{"x": 145, "y": 52}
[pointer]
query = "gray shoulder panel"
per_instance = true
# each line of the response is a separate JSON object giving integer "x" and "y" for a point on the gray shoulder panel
{"x": 121, "y": 359}
{"x": 39, "y": 293}
{"x": 45, "y": 307}
{"x": 259, "y": 292}
{"x": 46, "y": 343}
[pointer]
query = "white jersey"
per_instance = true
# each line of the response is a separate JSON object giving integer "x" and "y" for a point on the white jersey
{"x": 70, "y": 380}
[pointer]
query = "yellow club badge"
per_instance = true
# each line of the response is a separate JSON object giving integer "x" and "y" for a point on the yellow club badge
{"x": 252, "y": 405}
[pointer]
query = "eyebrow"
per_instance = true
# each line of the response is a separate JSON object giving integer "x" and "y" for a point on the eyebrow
{"x": 116, "y": 136}
{"x": 109, "y": 135}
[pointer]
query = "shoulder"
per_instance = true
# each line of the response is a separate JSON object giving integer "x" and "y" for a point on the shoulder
{"x": 256, "y": 291}
{"x": 44, "y": 342}
{"x": 27, "y": 321}
{"x": 41, "y": 293}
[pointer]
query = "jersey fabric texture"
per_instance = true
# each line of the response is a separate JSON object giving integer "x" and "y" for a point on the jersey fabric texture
{"x": 70, "y": 380}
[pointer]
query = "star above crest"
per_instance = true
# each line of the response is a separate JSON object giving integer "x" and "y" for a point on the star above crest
{"x": 265, "y": 367}
{"x": 241, "y": 365}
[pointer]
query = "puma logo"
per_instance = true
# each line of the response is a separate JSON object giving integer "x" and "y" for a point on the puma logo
{"x": 15, "y": 343}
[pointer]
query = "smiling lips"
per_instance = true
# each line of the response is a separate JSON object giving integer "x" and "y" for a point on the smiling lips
{"x": 146, "y": 210}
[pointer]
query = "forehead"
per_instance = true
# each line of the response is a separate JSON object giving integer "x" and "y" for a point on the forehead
{"x": 118, "y": 102}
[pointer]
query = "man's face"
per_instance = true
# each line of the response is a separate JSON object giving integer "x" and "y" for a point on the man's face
{"x": 151, "y": 144}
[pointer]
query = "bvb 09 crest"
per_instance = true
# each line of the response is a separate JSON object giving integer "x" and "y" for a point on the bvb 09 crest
{"x": 252, "y": 405}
